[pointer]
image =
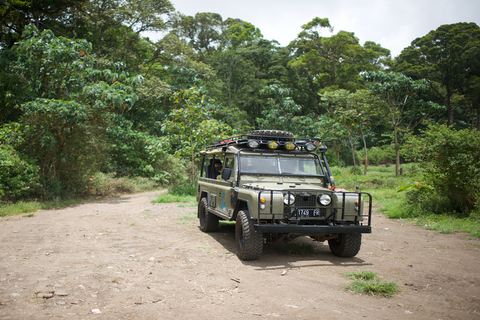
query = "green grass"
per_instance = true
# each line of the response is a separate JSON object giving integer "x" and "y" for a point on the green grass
{"x": 382, "y": 184}
{"x": 169, "y": 198}
{"x": 367, "y": 282}
{"x": 360, "y": 275}
{"x": 32, "y": 206}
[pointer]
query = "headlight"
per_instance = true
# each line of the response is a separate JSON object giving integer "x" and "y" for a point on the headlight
{"x": 288, "y": 197}
{"x": 252, "y": 144}
{"x": 324, "y": 199}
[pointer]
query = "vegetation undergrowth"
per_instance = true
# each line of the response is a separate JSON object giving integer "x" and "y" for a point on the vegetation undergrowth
{"x": 384, "y": 187}
{"x": 367, "y": 282}
{"x": 100, "y": 186}
{"x": 185, "y": 193}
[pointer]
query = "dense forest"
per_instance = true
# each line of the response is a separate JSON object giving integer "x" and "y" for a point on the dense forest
{"x": 82, "y": 92}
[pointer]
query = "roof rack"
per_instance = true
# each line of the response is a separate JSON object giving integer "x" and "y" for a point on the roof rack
{"x": 259, "y": 141}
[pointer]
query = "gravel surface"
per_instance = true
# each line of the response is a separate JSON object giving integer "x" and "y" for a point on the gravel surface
{"x": 128, "y": 258}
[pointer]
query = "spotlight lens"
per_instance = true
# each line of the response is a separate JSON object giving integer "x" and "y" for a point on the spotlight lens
{"x": 253, "y": 144}
{"x": 310, "y": 147}
{"x": 290, "y": 146}
{"x": 273, "y": 145}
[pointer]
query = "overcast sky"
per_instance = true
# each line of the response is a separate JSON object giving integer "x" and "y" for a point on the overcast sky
{"x": 394, "y": 24}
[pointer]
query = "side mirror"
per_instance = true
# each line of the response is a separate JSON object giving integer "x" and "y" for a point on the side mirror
{"x": 226, "y": 173}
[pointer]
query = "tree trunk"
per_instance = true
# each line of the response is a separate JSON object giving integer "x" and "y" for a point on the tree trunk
{"x": 397, "y": 154}
{"x": 448, "y": 104}
{"x": 366, "y": 153}
{"x": 192, "y": 177}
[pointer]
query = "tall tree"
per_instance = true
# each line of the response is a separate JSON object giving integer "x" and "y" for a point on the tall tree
{"x": 15, "y": 15}
{"x": 448, "y": 57}
{"x": 356, "y": 113}
{"x": 190, "y": 126}
{"x": 333, "y": 62}
{"x": 402, "y": 104}
{"x": 202, "y": 31}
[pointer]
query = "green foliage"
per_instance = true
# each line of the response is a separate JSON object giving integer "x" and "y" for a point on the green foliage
{"x": 19, "y": 208}
{"x": 451, "y": 162}
{"x": 374, "y": 287}
{"x": 402, "y": 103}
{"x": 101, "y": 184}
{"x": 18, "y": 177}
{"x": 360, "y": 275}
{"x": 281, "y": 109}
{"x": 367, "y": 282}
{"x": 184, "y": 189}
{"x": 446, "y": 57}
{"x": 169, "y": 198}
{"x": 189, "y": 128}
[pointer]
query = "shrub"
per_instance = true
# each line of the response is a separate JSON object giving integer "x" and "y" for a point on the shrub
{"x": 451, "y": 163}
{"x": 18, "y": 176}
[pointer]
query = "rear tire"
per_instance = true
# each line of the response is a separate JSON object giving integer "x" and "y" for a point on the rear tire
{"x": 208, "y": 221}
{"x": 346, "y": 245}
{"x": 249, "y": 242}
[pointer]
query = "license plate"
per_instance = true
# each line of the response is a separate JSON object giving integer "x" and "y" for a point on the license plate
{"x": 308, "y": 213}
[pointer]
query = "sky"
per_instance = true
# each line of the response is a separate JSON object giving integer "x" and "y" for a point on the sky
{"x": 393, "y": 24}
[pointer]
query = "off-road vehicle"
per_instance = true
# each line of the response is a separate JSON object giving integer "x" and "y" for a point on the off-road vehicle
{"x": 278, "y": 187}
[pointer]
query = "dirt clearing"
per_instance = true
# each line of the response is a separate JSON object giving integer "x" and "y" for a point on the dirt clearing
{"x": 128, "y": 258}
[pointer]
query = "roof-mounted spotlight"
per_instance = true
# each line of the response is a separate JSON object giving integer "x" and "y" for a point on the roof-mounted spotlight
{"x": 253, "y": 144}
{"x": 290, "y": 146}
{"x": 272, "y": 145}
{"x": 310, "y": 147}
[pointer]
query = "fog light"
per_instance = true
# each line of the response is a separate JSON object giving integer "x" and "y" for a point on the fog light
{"x": 262, "y": 206}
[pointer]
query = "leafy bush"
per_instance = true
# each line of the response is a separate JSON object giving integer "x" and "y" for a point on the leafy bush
{"x": 451, "y": 163}
{"x": 378, "y": 155}
{"x": 184, "y": 190}
{"x": 18, "y": 177}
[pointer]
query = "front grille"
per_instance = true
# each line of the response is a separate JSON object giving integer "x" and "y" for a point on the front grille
{"x": 304, "y": 201}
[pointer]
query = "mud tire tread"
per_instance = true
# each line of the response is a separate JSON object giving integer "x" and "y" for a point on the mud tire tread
{"x": 346, "y": 245}
{"x": 208, "y": 221}
{"x": 249, "y": 242}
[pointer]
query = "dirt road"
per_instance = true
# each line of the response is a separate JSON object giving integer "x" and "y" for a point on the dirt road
{"x": 127, "y": 258}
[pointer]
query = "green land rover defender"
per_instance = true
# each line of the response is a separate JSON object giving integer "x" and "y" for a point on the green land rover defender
{"x": 277, "y": 187}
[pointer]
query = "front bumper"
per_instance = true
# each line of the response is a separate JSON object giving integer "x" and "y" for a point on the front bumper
{"x": 310, "y": 229}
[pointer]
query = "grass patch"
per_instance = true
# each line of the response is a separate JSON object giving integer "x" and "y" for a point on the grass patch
{"x": 33, "y": 206}
{"x": 367, "y": 282}
{"x": 361, "y": 275}
{"x": 299, "y": 249}
{"x": 169, "y": 198}
{"x": 448, "y": 224}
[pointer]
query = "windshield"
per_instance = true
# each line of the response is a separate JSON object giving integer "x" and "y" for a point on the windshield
{"x": 280, "y": 165}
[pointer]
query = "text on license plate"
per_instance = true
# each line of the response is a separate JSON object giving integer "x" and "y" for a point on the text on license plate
{"x": 308, "y": 213}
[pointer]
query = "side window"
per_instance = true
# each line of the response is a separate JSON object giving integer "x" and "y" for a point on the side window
{"x": 212, "y": 167}
{"x": 230, "y": 164}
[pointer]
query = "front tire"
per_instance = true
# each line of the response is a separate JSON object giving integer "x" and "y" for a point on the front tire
{"x": 346, "y": 245}
{"x": 208, "y": 221}
{"x": 249, "y": 242}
